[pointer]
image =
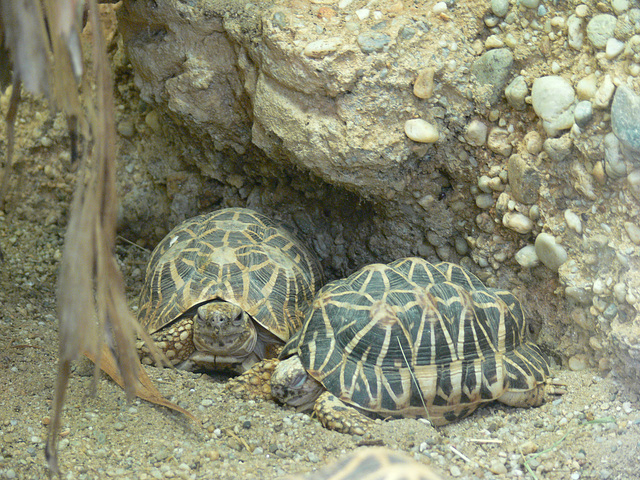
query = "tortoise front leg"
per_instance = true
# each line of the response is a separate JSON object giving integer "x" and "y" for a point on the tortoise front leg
{"x": 334, "y": 414}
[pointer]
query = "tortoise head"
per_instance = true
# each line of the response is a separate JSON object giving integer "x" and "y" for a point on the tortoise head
{"x": 292, "y": 385}
{"x": 222, "y": 328}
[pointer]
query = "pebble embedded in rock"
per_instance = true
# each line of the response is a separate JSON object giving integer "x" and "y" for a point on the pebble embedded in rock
{"x": 613, "y": 48}
{"x": 549, "y": 252}
{"x": 533, "y": 142}
{"x": 423, "y": 86}
{"x": 484, "y": 201}
{"x": 558, "y": 148}
{"x": 587, "y": 87}
{"x": 421, "y": 131}
{"x": 573, "y": 221}
{"x": 613, "y": 162}
{"x": 633, "y": 231}
{"x": 600, "y": 29}
{"x": 490, "y": 73}
{"x": 526, "y": 257}
{"x": 322, "y": 48}
{"x": 583, "y": 113}
{"x": 575, "y": 33}
{"x": 500, "y": 7}
{"x": 578, "y": 362}
{"x": 524, "y": 180}
{"x": 551, "y": 96}
{"x": 498, "y": 142}
{"x": 373, "y": 41}
{"x": 476, "y": 133}
{"x": 517, "y": 222}
{"x": 625, "y": 121}
{"x": 126, "y": 128}
{"x": 516, "y": 92}
{"x": 604, "y": 93}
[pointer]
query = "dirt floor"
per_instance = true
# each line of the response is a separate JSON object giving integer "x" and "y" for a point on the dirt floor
{"x": 591, "y": 432}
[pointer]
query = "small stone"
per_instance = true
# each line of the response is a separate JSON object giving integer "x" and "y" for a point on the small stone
{"x": 498, "y": 142}
{"x": 421, "y": 131}
{"x": 490, "y": 73}
{"x": 526, "y": 257}
{"x": 476, "y": 133}
{"x": 455, "y": 471}
{"x": 498, "y": 467}
{"x": 362, "y": 13}
{"x": 423, "y": 86}
{"x": 551, "y": 96}
{"x": 633, "y": 231}
{"x": 583, "y": 113}
{"x": 578, "y": 362}
{"x": 575, "y": 32}
{"x": 322, "y": 48}
{"x": 582, "y": 10}
{"x": 373, "y": 41}
{"x": 549, "y": 252}
{"x": 613, "y": 48}
{"x": 524, "y": 180}
{"x": 528, "y": 447}
{"x": 152, "y": 119}
{"x": 586, "y": 88}
{"x": 598, "y": 173}
{"x": 633, "y": 179}
{"x": 500, "y": 7}
{"x": 484, "y": 184}
{"x": 604, "y": 93}
{"x": 613, "y": 161}
{"x": 532, "y": 4}
{"x": 126, "y": 128}
{"x": 625, "y": 121}
{"x": 600, "y": 29}
{"x": 573, "y": 221}
{"x": 439, "y": 8}
{"x": 533, "y": 142}
{"x": 517, "y": 222}
{"x": 558, "y": 149}
{"x": 620, "y": 290}
{"x": 620, "y": 6}
{"x": 516, "y": 93}
{"x": 484, "y": 201}
{"x": 493, "y": 41}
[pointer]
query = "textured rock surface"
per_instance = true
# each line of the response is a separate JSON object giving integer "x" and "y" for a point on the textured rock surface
{"x": 301, "y": 113}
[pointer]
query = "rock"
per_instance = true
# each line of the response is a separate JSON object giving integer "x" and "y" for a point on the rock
{"x": 498, "y": 142}
{"x": 533, "y": 142}
{"x": 633, "y": 179}
{"x": 600, "y": 29}
{"x": 500, "y": 7}
{"x": 421, "y": 131}
{"x": 490, "y": 73}
{"x": 620, "y": 6}
{"x": 575, "y": 32}
{"x": 476, "y": 133}
{"x": 583, "y": 113}
{"x": 558, "y": 148}
{"x": 613, "y": 48}
{"x": 524, "y": 180}
{"x": 516, "y": 92}
{"x": 625, "y": 121}
{"x": 586, "y": 87}
{"x": 517, "y": 222}
{"x": 578, "y": 362}
{"x": 633, "y": 231}
{"x": 484, "y": 201}
{"x": 532, "y": 4}
{"x": 551, "y": 96}
{"x": 322, "y": 48}
{"x": 613, "y": 162}
{"x": 549, "y": 252}
{"x": 604, "y": 93}
{"x": 423, "y": 86}
{"x": 526, "y": 257}
{"x": 372, "y": 42}
{"x": 573, "y": 221}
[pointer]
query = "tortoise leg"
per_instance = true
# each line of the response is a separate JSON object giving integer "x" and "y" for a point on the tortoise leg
{"x": 336, "y": 415}
{"x": 528, "y": 398}
{"x": 255, "y": 383}
{"x": 175, "y": 342}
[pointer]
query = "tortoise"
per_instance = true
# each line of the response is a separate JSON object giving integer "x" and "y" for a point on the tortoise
{"x": 409, "y": 339}
{"x": 372, "y": 463}
{"x": 226, "y": 289}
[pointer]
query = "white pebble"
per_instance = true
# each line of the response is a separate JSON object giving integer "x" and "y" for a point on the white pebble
{"x": 421, "y": 131}
{"x": 614, "y": 48}
{"x": 362, "y": 13}
{"x": 573, "y": 221}
{"x": 549, "y": 252}
{"x": 551, "y": 96}
{"x": 526, "y": 257}
{"x": 517, "y": 222}
{"x": 439, "y": 7}
{"x": 322, "y": 48}
{"x": 476, "y": 133}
